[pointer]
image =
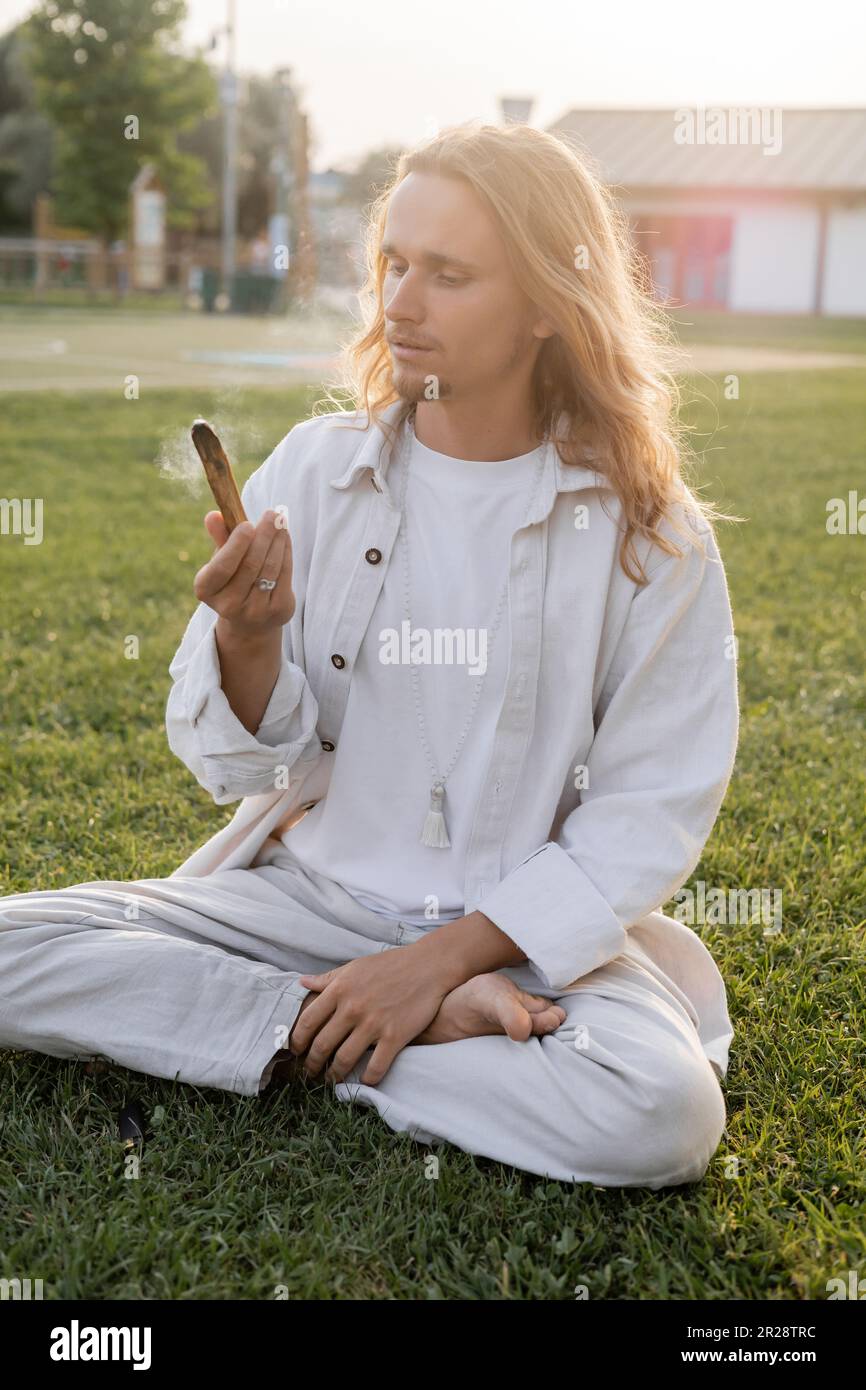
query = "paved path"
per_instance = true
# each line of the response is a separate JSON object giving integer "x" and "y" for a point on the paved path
{"x": 76, "y": 350}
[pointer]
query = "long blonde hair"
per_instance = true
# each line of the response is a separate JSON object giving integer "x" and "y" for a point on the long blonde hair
{"x": 608, "y": 369}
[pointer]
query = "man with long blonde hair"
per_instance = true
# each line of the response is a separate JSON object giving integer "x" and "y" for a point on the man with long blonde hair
{"x": 470, "y": 669}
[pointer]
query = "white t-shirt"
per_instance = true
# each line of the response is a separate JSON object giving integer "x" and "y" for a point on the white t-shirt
{"x": 366, "y": 832}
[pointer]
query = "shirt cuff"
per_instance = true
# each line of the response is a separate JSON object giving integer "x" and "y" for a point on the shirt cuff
{"x": 558, "y": 918}
{"x": 237, "y": 763}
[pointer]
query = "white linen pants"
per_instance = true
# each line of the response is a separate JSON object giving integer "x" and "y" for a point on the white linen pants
{"x": 196, "y": 979}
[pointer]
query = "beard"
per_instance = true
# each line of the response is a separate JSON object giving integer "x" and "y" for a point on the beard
{"x": 414, "y": 384}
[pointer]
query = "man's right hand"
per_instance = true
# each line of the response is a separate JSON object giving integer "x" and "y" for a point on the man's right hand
{"x": 248, "y": 630}
{"x": 228, "y": 582}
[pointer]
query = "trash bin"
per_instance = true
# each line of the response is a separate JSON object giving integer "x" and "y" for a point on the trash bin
{"x": 264, "y": 294}
{"x": 252, "y": 293}
{"x": 209, "y": 288}
{"x": 240, "y": 296}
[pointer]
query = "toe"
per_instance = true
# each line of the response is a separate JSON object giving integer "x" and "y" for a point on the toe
{"x": 515, "y": 1019}
{"x": 549, "y": 1019}
{"x": 532, "y": 1003}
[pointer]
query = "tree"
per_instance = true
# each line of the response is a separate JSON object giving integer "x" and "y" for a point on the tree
{"x": 26, "y": 139}
{"x": 263, "y": 115}
{"x": 117, "y": 93}
{"x": 370, "y": 177}
{"x": 259, "y": 133}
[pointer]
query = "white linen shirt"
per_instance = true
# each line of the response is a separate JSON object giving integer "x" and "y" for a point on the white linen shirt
{"x": 366, "y": 833}
{"x": 629, "y": 690}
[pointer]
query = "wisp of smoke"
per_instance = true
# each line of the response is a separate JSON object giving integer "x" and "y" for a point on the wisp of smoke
{"x": 177, "y": 458}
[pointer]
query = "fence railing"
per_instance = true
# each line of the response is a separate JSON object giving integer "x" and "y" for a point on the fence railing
{"x": 39, "y": 270}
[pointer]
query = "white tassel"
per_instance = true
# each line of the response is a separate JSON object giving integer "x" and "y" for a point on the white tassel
{"x": 435, "y": 832}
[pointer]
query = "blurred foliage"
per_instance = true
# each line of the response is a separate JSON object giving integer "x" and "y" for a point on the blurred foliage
{"x": 373, "y": 173}
{"x": 96, "y": 63}
{"x": 26, "y": 138}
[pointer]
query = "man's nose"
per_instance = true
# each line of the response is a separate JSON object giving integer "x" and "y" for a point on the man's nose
{"x": 405, "y": 302}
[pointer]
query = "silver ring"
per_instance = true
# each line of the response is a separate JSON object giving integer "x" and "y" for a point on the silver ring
{"x": 267, "y": 584}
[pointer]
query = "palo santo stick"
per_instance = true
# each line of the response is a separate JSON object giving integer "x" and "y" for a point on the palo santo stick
{"x": 219, "y": 474}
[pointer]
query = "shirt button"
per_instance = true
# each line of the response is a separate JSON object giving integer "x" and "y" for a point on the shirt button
{"x": 373, "y": 556}
{"x": 338, "y": 660}
{"x": 220, "y": 790}
{"x": 328, "y": 747}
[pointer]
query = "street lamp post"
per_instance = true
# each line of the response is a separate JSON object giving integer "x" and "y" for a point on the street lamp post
{"x": 229, "y": 97}
{"x": 288, "y": 116}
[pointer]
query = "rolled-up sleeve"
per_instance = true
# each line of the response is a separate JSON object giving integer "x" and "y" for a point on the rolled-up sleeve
{"x": 657, "y": 772}
{"x": 204, "y": 732}
{"x": 202, "y": 729}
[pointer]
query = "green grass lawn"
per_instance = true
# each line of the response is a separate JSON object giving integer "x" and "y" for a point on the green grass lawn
{"x": 798, "y": 332}
{"x": 237, "y": 1195}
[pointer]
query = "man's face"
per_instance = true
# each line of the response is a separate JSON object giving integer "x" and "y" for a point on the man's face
{"x": 466, "y": 310}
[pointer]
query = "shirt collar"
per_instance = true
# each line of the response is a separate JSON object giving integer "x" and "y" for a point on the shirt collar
{"x": 374, "y": 456}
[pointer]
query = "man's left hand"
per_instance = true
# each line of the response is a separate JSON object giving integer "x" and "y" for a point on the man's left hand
{"x": 381, "y": 1001}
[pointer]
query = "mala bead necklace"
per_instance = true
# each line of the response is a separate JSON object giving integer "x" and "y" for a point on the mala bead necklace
{"x": 435, "y": 830}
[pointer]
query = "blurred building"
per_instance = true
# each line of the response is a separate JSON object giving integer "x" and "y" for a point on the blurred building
{"x": 728, "y": 226}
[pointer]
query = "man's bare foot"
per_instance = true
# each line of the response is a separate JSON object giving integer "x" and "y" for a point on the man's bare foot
{"x": 489, "y": 1004}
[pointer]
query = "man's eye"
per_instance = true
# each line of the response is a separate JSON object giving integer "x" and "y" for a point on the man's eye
{"x": 445, "y": 279}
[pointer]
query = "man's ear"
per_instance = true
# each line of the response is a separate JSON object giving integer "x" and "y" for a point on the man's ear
{"x": 543, "y": 328}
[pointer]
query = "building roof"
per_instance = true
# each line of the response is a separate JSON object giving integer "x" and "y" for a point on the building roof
{"x": 818, "y": 149}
